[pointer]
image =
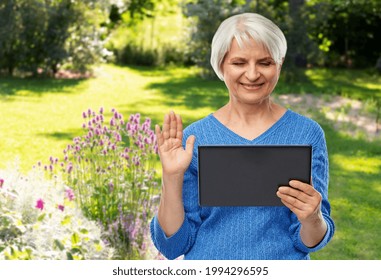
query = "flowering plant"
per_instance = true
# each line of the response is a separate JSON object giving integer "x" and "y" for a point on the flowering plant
{"x": 39, "y": 220}
{"x": 111, "y": 170}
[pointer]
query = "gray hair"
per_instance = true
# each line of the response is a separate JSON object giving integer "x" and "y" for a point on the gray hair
{"x": 242, "y": 27}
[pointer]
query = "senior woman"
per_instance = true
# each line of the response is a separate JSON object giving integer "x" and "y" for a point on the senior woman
{"x": 247, "y": 54}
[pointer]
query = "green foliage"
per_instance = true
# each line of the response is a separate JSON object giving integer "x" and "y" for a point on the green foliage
{"x": 205, "y": 17}
{"x": 151, "y": 38}
{"x": 41, "y": 36}
{"x": 321, "y": 32}
{"x": 347, "y": 31}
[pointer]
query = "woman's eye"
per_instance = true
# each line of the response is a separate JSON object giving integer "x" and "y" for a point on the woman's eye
{"x": 266, "y": 63}
{"x": 238, "y": 63}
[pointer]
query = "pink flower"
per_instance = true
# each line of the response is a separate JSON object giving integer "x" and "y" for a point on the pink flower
{"x": 61, "y": 207}
{"x": 40, "y": 204}
{"x": 1, "y": 183}
{"x": 69, "y": 194}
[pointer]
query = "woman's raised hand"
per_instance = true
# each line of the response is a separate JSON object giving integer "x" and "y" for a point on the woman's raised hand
{"x": 174, "y": 158}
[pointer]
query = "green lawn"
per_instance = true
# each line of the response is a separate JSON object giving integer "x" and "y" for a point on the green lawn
{"x": 40, "y": 117}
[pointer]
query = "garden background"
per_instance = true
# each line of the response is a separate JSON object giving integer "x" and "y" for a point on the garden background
{"x": 83, "y": 82}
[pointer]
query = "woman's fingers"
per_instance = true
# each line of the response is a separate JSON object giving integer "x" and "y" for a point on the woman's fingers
{"x": 172, "y": 128}
{"x": 300, "y": 198}
{"x": 293, "y": 193}
{"x": 172, "y": 125}
{"x": 190, "y": 144}
{"x": 179, "y": 124}
{"x": 166, "y": 126}
{"x": 304, "y": 187}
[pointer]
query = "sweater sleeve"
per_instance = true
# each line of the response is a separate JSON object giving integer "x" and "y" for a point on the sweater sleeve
{"x": 181, "y": 242}
{"x": 320, "y": 179}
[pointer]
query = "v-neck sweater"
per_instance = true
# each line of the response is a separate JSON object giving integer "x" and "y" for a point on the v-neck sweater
{"x": 261, "y": 232}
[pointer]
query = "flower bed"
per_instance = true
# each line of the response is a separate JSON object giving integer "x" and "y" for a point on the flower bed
{"x": 105, "y": 181}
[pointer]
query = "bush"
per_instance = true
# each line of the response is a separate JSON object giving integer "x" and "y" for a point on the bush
{"x": 167, "y": 54}
{"x": 134, "y": 55}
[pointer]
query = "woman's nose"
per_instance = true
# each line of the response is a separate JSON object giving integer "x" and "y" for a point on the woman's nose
{"x": 252, "y": 73}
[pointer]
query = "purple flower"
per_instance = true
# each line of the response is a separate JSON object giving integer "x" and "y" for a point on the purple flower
{"x": 69, "y": 168}
{"x": 84, "y": 115}
{"x": 137, "y": 118}
{"x": 101, "y": 110}
{"x": 1, "y": 182}
{"x": 112, "y": 122}
{"x": 69, "y": 193}
{"x": 136, "y": 160}
{"x": 40, "y": 204}
{"x": 147, "y": 140}
{"x": 61, "y": 207}
{"x": 111, "y": 186}
{"x": 118, "y": 138}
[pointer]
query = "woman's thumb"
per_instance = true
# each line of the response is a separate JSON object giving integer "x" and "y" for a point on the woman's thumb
{"x": 189, "y": 145}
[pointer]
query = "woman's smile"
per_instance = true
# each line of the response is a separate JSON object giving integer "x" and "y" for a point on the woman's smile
{"x": 252, "y": 87}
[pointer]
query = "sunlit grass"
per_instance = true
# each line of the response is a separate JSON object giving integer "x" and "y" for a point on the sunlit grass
{"x": 357, "y": 84}
{"x": 38, "y": 118}
{"x": 358, "y": 163}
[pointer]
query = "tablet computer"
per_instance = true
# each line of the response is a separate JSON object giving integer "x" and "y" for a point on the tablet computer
{"x": 249, "y": 175}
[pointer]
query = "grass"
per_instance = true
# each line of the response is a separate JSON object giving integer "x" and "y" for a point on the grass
{"x": 40, "y": 117}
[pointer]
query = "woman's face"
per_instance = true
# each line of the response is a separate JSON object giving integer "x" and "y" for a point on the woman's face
{"x": 250, "y": 74}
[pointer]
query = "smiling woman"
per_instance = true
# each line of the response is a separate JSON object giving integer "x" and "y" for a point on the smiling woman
{"x": 247, "y": 53}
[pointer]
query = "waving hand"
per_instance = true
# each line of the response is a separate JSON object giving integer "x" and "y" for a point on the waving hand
{"x": 174, "y": 158}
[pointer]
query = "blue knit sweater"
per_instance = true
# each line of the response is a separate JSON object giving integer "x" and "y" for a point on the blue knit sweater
{"x": 246, "y": 232}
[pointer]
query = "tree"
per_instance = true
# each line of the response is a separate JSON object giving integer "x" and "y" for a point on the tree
{"x": 40, "y": 34}
{"x": 205, "y": 17}
{"x": 348, "y": 31}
